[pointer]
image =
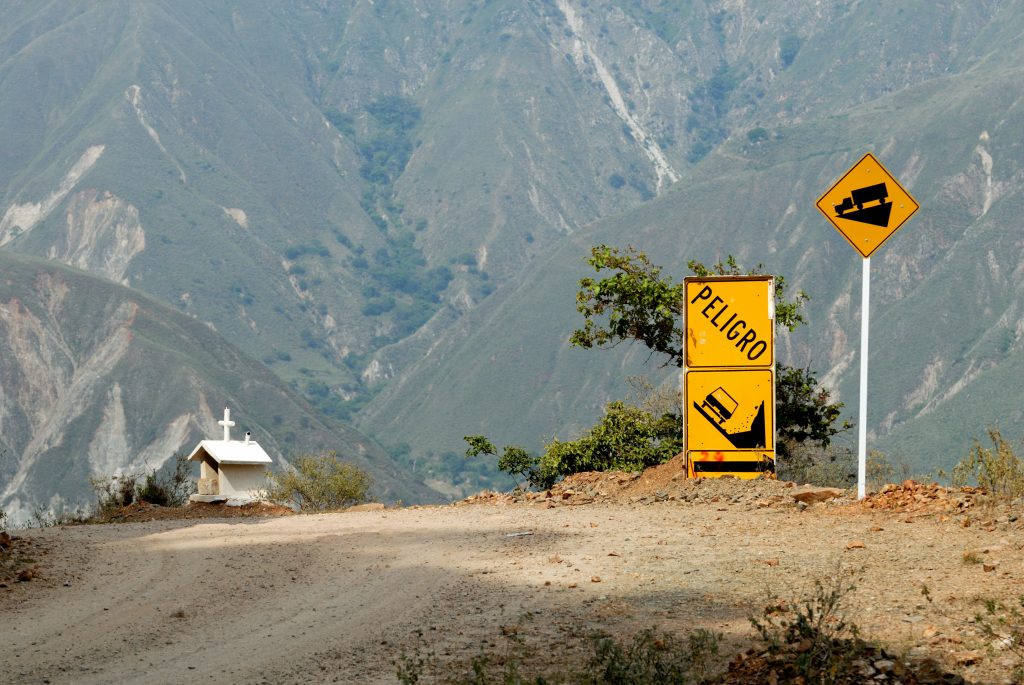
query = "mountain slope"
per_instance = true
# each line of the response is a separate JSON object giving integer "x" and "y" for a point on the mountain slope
{"x": 945, "y": 320}
{"x": 262, "y": 168}
{"x": 97, "y": 379}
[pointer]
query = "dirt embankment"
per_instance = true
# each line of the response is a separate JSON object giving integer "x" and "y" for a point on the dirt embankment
{"x": 338, "y": 597}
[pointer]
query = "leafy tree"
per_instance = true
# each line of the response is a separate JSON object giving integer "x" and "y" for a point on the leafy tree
{"x": 637, "y": 303}
{"x": 516, "y": 461}
{"x": 802, "y": 410}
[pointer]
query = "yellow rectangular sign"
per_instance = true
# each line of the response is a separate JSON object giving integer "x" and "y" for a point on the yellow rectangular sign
{"x": 730, "y": 321}
{"x": 730, "y": 409}
{"x": 746, "y": 465}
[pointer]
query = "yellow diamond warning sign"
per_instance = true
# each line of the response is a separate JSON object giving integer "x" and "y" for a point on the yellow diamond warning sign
{"x": 730, "y": 321}
{"x": 730, "y": 409}
{"x": 867, "y": 205}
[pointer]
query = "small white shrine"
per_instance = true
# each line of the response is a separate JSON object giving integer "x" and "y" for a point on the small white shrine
{"x": 230, "y": 469}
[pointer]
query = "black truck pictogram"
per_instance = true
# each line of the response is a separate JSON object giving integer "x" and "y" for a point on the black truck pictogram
{"x": 874, "y": 214}
{"x": 721, "y": 404}
{"x": 862, "y": 196}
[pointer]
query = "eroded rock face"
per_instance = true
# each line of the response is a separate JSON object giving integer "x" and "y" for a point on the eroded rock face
{"x": 63, "y": 398}
{"x": 19, "y": 218}
{"x": 103, "y": 235}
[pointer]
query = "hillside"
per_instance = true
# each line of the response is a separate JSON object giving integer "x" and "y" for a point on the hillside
{"x": 946, "y": 325}
{"x": 98, "y": 379}
{"x": 389, "y": 203}
{"x": 262, "y": 168}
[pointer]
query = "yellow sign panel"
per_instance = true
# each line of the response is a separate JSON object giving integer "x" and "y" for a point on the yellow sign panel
{"x": 731, "y": 409}
{"x": 867, "y": 205}
{"x": 746, "y": 465}
{"x": 730, "y": 322}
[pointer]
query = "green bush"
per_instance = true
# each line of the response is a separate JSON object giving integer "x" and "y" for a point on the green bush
{"x": 515, "y": 461}
{"x": 626, "y": 438}
{"x": 319, "y": 482}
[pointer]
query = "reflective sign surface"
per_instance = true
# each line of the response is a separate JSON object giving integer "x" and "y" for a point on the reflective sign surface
{"x": 728, "y": 410}
{"x": 729, "y": 322}
{"x": 867, "y": 205}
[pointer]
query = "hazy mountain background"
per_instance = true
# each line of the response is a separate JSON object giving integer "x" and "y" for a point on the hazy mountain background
{"x": 388, "y": 205}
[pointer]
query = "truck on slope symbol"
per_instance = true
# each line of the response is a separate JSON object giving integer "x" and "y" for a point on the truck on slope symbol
{"x": 860, "y": 196}
{"x": 721, "y": 404}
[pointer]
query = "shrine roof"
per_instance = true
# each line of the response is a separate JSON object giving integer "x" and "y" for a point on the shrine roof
{"x": 232, "y": 452}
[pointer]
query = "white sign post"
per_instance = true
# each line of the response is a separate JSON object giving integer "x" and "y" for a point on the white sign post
{"x": 862, "y": 426}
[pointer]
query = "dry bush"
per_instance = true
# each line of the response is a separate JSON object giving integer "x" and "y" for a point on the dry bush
{"x": 835, "y": 467}
{"x": 161, "y": 488}
{"x": 646, "y": 658}
{"x": 814, "y": 629}
{"x": 1002, "y": 623}
{"x": 319, "y": 482}
{"x": 998, "y": 470}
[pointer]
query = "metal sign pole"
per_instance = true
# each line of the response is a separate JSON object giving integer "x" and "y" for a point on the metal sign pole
{"x": 862, "y": 432}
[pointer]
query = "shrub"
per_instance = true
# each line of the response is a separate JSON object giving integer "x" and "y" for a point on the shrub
{"x": 626, "y": 438}
{"x": 168, "y": 488}
{"x": 1000, "y": 472}
{"x": 319, "y": 482}
{"x": 650, "y": 659}
{"x": 835, "y": 467}
{"x": 647, "y": 658}
{"x": 515, "y": 461}
{"x": 1003, "y": 624}
{"x": 815, "y": 628}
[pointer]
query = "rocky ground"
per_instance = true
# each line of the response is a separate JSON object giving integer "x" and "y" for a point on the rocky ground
{"x": 529, "y": 577}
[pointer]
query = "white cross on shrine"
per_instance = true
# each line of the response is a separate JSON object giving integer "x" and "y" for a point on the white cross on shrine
{"x": 227, "y": 423}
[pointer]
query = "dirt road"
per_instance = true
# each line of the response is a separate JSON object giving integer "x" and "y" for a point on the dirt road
{"x": 336, "y": 598}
